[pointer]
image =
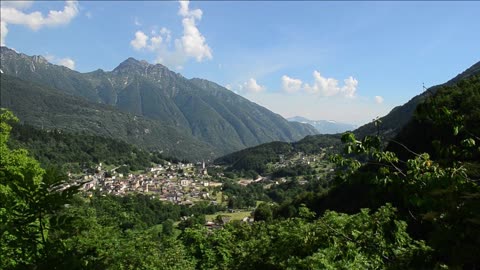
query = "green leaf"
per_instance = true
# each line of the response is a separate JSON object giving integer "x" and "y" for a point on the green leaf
{"x": 455, "y": 130}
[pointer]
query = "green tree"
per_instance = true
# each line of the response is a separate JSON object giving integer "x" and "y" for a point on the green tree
{"x": 167, "y": 227}
{"x": 29, "y": 195}
{"x": 263, "y": 212}
{"x": 438, "y": 201}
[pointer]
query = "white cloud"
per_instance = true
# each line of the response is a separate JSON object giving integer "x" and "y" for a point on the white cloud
{"x": 378, "y": 99}
{"x": 11, "y": 13}
{"x": 66, "y": 62}
{"x": 155, "y": 42}
{"x": 140, "y": 40}
{"x": 3, "y": 32}
{"x": 350, "y": 87}
{"x": 228, "y": 86}
{"x": 291, "y": 85}
{"x": 321, "y": 85}
{"x": 167, "y": 34}
{"x": 192, "y": 44}
{"x": 251, "y": 86}
{"x": 184, "y": 10}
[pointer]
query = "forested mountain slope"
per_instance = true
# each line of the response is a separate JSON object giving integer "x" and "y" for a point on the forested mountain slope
{"x": 47, "y": 108}
{"x": 395, "y": 120}
{"x": 449, "y": 134}
{"x": 76, "y": 152}
{"x": 256, "y": 158}
{"x": 203, "y": 109}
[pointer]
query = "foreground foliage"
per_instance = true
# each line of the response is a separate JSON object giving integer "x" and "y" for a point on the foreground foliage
{"x": 334, "y": 241}
{"x": 39, "y": 231}
{"x": 424, "y": 211}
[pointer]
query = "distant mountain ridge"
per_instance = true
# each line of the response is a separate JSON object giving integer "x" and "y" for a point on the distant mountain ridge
{"x": 207, "y": 111}
{"x": 324, "y": 126}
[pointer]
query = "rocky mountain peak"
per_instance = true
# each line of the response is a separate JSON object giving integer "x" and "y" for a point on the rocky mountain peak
{"x": 132, "y": 66}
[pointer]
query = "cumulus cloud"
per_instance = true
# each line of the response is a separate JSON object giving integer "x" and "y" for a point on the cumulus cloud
{"x": 378, "y": 99}
{"x": 12, "y": 13}
{"x": 166, "y": 33}
{"x": 185, "y": 11}
{"x": 192, "y": 44}
{"x": 321, "y": 85}
{"x": 251, "y": 86}
{"x": 350, "y": 87}
{"x": 291, "y": 85}
{"x": 66, "y": 62}
{"x": 140, "y": 40}
{"x": 155, "y": 42}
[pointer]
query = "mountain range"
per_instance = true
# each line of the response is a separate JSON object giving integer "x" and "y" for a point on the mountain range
{"x": 324, "y": 126}
{"x": 141, "y": 103}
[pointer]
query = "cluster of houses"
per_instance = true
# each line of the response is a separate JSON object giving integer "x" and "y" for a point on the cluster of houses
{"x": 299, "y": 158}
{"x": 178, "y": 183}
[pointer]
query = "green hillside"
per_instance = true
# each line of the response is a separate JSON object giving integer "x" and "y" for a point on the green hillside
{"x": 460, "y": 124}
{"x": 394, "y": 121}
{"x": 78, "y": 151}
{"x": 256, "y": 158}
{"x": 48, "y": 108}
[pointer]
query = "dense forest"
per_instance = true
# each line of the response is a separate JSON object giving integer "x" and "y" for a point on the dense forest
{"x": 49, "y": 108}
{"x": 77, "y": 151}
{"x": 408, "y": 206}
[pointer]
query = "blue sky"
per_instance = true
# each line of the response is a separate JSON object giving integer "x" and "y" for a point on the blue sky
{"x": 344, "y": 61}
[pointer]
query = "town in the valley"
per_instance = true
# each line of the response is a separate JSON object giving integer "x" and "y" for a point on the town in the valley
{"x": 183, "y": 183}
{"x": 179, "y": 183}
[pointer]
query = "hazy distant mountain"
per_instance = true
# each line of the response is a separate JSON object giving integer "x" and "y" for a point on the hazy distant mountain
{"x": 207, "y": 111}
{"x": 324, "y": 126}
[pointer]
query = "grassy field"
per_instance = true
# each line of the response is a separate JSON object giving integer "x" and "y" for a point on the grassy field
{"x": 233, "y": 216}
{"x": 218, "y": 197}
